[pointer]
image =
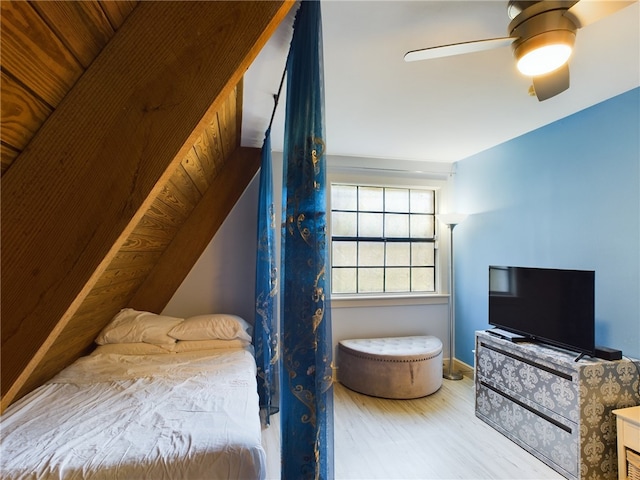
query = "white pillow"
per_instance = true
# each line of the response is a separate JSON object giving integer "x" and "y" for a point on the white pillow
{"x": 132, "y": 349}
{"x": 132, "y": 326}
{"x": 215, "y": 326}
{"x": 194, "y": 345}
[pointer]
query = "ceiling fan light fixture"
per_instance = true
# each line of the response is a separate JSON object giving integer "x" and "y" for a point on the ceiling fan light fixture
{"x": 544, "y": 59}
{"x": 544, "y": 53}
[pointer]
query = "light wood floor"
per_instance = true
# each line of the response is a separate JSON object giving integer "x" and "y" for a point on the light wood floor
{"x": 436, "y": 437}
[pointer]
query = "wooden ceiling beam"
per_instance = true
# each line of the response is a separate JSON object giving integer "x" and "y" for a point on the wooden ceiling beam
{"x": 82, "y": 184}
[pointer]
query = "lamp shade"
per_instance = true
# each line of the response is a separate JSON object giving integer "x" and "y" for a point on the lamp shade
{"x": 451, "y": 218}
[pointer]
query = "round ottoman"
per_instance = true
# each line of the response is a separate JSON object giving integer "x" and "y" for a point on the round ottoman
{"x": 393, "y": 367}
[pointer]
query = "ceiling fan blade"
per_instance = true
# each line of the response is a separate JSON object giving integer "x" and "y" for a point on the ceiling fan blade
{"x": 551, "y": 84}
{"x": 457, "y": 49}
{"x": 586, "y": 12}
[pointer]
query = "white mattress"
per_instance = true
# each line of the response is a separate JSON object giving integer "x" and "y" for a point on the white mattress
{"x": 188, "y": 415}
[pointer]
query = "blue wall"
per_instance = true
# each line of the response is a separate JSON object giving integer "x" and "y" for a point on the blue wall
{"x": 563, "y": 196}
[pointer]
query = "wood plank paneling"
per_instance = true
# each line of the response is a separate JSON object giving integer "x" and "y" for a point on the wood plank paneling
{"x": 227, "y": 122}
{"x": 125, "y": 272}
{"x": 175, "y": 264}
{"x": 239, "y": 100}
{"x": 152, "y": 225}
{"x": 34, "y": 55}
{"x": 82, "y": 27}
{"x": 110, "y": 149}
{"x": 182, "y": 185}
{"x": 83, "y": 30}
{"x": 172, "y": 196}
{"x": 207, "y": 149}
{"x": 22, "y": 114}
{"x": 214, "y": 135}
{"x": 7, "y": 156}
{"x": 165, "y": 215}
{"x": 193, "y": 168}
{"x": 117, "y": 10}
{"x": 141, "y": 243}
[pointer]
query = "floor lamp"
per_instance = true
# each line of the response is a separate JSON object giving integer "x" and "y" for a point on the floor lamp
{"x": 451, "y": 219}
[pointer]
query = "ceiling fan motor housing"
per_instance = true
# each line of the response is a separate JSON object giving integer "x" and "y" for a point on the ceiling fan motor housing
{"x": 540, "y": 24}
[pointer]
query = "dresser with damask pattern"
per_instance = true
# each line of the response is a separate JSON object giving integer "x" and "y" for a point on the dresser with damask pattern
{"x": 556, "y": 408}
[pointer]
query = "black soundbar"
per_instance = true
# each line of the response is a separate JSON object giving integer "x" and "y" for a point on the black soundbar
{"x": 607, "y": 353}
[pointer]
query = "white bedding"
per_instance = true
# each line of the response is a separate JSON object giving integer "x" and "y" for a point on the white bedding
{"x": 186, "y": 415}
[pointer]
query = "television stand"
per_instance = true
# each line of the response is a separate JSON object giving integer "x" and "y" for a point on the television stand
{"x": 557, "y": 409}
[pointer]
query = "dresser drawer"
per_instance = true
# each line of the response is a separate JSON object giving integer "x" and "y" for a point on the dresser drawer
{"x": 631, "y": 435}
{"x": 550, "y": 389}
{"x": 553, "y": 442}
{"x": 557, "y": 406}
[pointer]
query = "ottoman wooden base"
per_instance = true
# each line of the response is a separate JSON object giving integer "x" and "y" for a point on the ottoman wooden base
{"x": 393, "y": 367}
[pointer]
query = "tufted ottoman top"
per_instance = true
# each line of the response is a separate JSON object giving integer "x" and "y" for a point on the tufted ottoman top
{"x": 395, "y": 349}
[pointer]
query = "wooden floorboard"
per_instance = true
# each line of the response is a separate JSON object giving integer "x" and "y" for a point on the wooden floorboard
{"x": 436, "y": 437}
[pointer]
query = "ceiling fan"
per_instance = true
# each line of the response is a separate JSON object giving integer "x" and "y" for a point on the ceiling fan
{"x": 542, "y": 34}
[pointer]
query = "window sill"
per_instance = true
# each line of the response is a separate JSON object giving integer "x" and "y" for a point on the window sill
{"x": 355, "y": 301}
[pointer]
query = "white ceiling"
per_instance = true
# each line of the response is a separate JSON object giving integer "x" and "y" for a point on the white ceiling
{"x": 442, "y": 110}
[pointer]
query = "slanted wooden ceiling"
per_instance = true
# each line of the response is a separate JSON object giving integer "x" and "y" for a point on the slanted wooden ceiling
{"x": 121, "y": 157}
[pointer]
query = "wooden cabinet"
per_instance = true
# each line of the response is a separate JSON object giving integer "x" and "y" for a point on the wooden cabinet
{"x": 557, "y": 408}
{"x": 628, "y": 426}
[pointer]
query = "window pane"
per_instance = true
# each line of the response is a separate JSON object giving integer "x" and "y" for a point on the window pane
{"x": 396, "y": 200}
{"x": 371, "y": 264}
{"x": 396, "y": 225}
{"x": 370, "y": 199}
{"x": 422, "y": 280}
{"x": 423, "y": 254}
{"x": 422, "y": 226}
{"x": 370, "y": 280}
{"x": 343, "y": 224}
{"x": 397, "y": 280}
{"x": 398, "y": 254}
{"x": 343, "y": 280}
{"x": 371, "y": 254}
{"x": 422, "y": 201}
{"x": 344, "y": 197}
{"x": 344, "y": 254}
{"x": 370, "y": 225}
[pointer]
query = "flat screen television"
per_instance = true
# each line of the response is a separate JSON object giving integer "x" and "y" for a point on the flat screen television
{"x": 553, "y": 306}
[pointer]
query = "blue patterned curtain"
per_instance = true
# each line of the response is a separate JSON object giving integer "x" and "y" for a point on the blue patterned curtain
{"x": 306, "y": 393}
{"x": 265, "y": 332}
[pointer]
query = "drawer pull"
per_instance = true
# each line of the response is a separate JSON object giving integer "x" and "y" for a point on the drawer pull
{"x": 527, "y": 407}
{"x": 553, "y": 371}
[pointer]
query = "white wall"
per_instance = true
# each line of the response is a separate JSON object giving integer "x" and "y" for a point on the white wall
{"x": 372, "y": 319}
{"x": 223, "y": 278}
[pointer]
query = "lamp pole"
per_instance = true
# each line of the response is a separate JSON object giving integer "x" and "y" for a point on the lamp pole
{"x": 450, "y": 374}
{"x": 451, "y": 219}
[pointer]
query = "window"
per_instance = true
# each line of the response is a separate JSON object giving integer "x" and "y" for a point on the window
{"x": 382, "y": 239}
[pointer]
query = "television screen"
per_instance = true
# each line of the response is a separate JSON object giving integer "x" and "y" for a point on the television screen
{"x": 550, "y": 305}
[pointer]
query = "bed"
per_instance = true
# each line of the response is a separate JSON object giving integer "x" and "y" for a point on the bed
{"x": 186, "y": 408}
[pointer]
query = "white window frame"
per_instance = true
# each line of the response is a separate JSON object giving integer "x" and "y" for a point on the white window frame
{"x": 382, "y": 178}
